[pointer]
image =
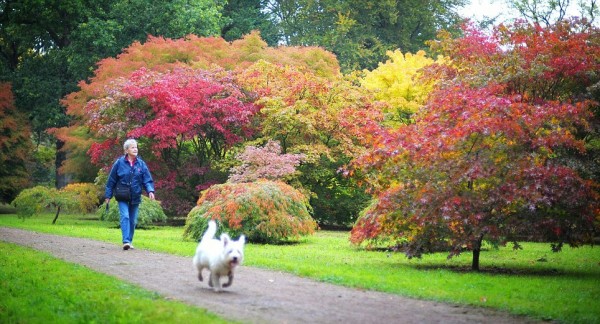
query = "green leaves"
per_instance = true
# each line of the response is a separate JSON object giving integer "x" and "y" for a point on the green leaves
{"x": 150, "y": 212}
{"x": 34, "y": 200}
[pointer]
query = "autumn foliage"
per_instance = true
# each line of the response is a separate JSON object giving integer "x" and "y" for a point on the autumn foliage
{"x": 265, "y": 211}
{"x": 15, "y": 147}
{"x": 492, "y": 155}
{"x": 87, "y": 195}
{"x": 195, "y": 102}
{"x": 184, "y": 100}
{"x": 264, "y": 162}
{"x": 402, "y": 83}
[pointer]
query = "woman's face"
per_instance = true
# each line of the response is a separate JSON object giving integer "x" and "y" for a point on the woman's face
{"x": 132, "y": 150}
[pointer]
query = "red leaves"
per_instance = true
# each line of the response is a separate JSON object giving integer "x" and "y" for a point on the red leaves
{"x": 99, "y": 155}
{"x": 175, "y": 106}
{"x": 186, "y": 103}
{"x": 491, "y": 152}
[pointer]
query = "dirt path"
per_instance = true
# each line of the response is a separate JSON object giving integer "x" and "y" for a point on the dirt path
{"x": 256, "y": 296}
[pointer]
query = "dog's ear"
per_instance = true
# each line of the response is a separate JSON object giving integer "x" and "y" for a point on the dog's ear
{"x": 242, "y": 239}
{"x": 225, "y": 239}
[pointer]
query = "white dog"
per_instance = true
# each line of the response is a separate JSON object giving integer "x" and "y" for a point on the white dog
{"x": 220, "y": 257}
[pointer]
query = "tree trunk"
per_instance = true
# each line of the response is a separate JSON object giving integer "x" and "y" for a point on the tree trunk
{"x": 56, "y": 216}
{"x": 476, "y": 253}
{"x": 61, "y": 179}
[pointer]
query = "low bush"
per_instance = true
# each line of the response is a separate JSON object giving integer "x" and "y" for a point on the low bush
{"x": 265, "y": 211}
{"x": 150, "y": 212}
{"x": 88, "y": 195}
{"x": 39, "y": 199}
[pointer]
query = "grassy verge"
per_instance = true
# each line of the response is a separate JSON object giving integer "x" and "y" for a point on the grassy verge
{"x": 38, "y": 288}
{"x": 534, "y": 281}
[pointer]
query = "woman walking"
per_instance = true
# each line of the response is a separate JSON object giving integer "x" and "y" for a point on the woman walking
{"x": 129, "y": 174}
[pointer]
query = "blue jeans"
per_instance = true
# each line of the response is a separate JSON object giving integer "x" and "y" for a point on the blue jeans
{"x": 129, "y": 214}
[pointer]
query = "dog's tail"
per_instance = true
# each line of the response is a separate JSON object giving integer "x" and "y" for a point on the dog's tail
{"x": 211, "y": 231}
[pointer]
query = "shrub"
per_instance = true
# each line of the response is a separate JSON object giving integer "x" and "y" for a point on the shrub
{"x": 33, "y": 201}
{"x": 88, "y": 195}
{"x": 150, "y": 212}
{"x": 265, "y": 211}
{"x": 37, "y": 199}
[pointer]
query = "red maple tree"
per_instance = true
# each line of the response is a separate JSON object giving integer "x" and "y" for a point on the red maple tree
{"x": 188, "y": 118}
{"x": 489, "y": 156}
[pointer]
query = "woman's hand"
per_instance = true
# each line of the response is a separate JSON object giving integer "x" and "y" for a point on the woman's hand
{"x": 151, "y": 195}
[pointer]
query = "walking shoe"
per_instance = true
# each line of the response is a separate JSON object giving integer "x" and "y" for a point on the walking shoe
{"x": 131, "y": 247}
{"x": 126, "y": 246}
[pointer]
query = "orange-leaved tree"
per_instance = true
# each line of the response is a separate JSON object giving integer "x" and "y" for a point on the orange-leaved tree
{"x": 320, "y": 118}
{"x": 15, "y": 147}
{"x": 492, "y": 156}
{"x": 265, "y": 211}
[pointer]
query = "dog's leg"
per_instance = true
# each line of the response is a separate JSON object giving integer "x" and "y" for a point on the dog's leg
{"x": 200, "y": 275}
{"x": 215, "y": 282}
{"x": 230, "y": 277}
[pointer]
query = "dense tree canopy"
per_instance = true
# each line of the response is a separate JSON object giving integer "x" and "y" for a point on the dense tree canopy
{"x": 244, "y": 16}
{"x": 360, "y": 32}
{"x": 190, "y": 112}
{"x": 190, "y": 118}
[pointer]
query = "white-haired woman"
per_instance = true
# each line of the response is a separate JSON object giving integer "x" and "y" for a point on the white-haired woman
{"x": 131, "y": 173}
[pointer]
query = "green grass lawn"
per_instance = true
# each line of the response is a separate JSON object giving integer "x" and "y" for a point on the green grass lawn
{"x": 534, "y": 281}
{"x": 38, "y": 288}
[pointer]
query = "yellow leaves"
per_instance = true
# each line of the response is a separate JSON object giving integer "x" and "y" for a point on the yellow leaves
{"x": 88, "y": 195}
{"x": 344, "y": 22}
{"x": 399, "y": 81}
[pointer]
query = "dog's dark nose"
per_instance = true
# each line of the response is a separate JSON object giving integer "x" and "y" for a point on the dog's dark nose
{"x": 234, "y": 258}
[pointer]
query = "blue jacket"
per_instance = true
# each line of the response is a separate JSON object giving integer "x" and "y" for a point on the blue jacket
{"x": 139, "y": 174}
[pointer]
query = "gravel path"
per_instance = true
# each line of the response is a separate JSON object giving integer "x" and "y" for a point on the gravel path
{"x": 256, "y": 296}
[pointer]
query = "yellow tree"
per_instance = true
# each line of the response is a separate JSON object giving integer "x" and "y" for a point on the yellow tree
{"x": 401, "y": 83}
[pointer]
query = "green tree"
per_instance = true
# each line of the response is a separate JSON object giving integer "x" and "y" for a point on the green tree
{"x": 37, "y": 199}
{"x": 33, "y": 34}
{"x": 360, "y": 32}
{"x": 243, "y": 16}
